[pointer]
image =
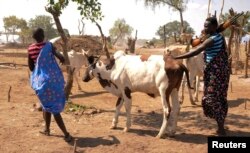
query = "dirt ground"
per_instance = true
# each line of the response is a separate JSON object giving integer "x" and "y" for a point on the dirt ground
{"x": 20, "y": 123}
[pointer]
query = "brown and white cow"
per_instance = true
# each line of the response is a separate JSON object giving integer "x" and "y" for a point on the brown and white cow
{"x": 195, "y": 66}
{"x": 155, "y": 75}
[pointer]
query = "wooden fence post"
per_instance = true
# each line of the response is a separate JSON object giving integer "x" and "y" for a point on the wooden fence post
{"x": 9, "y": 94}
{"x": 247, "y": 48}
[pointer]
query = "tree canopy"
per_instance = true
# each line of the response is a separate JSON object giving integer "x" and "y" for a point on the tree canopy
{"x": 89, "y": 9}
{"x": 13, "y": 25}
{"x": 173, "y": 28}
{"x": 45, "y": 22}
{"x": 176, "y": 5}
{"x": 120, "y": 30}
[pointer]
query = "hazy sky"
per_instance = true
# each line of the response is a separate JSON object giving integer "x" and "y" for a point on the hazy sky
{"x": 145, "y": 20}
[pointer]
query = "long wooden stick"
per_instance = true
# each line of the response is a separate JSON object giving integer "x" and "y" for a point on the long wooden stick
{"x": 75, "y": 145}
{"x": 246, "y": 62}
{"x": 245, "y": 103}
{"x": 231, "y": 86}
{"x": 9, "y": 93}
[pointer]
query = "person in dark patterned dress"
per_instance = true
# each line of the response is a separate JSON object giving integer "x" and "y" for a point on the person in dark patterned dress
{"x": 47, "y": 81}
{"x": 216, "y": 74}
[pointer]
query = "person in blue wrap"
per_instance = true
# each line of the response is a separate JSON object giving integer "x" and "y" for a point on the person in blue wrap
{"x": 47, "y": 81}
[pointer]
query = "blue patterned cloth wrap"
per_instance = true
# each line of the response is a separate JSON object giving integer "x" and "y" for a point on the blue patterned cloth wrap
{"x": 48, "y": 82}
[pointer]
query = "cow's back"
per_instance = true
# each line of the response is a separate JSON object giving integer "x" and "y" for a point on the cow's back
{"x": 143, "y": 75}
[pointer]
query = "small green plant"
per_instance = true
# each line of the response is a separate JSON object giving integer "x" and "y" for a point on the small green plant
{"x": 71, "y": 107}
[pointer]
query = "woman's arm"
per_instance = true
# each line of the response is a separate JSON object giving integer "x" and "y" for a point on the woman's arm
{"x": 196, "y": 51}
{"x": 31, "y": 63}
{"x": 58, "y": 54}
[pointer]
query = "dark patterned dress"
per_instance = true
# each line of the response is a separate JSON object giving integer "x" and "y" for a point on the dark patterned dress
{"x": 216, "y": 79}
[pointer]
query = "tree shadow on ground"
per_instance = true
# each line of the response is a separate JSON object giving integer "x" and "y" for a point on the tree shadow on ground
{"x": 183, "y": 137}
{"x": 83, "y": 142}
{"x": 190, "y": 138}
{"x": 152, "y": 119}
{"x": 189, "y": 120}
{"x": 87, "y": 94}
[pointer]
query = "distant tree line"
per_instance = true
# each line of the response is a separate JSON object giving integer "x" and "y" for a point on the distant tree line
{"x": 19, "y": 26}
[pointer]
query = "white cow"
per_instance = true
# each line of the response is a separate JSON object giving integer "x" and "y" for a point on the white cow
{"x": 195, "y": 66}
{"x": 155, "y": 75}
{"x": 76, "y": 59}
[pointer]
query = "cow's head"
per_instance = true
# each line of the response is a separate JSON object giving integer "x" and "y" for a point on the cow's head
{"x": 89, "y": 73}
{"x": 96, "y": 67}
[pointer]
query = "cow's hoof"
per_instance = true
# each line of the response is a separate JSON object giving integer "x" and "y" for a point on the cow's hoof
{"x": 125, "y": 129}
{"x": 113, "y": 127}
{"x": 171, "y": 134}
{"x": 39, "y": 108}
{"x": 160, "y": 136}
{"x": 192, "y": 102}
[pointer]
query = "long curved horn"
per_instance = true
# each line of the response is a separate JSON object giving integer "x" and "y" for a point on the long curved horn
{"x": 104, "y": 42}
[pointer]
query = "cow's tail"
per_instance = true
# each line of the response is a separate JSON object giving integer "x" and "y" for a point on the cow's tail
{"x": 187, "y": 75}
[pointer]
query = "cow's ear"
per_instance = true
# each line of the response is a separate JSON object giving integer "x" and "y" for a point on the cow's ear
{"x": 85, "y": 53}
{"x": 111, "y": 63}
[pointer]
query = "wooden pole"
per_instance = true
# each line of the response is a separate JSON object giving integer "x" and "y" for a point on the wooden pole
{"x": 28, "y": 74}
{"x": 164, "y": 28}
{"x": 245, "y": 103}
{"x": 75, "y": 145}
{"x": 9, "y": 93}
{"x": 231, "y": 86}
{"x": 246, "y": 62}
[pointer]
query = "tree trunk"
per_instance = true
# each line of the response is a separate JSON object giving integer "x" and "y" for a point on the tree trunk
{"x": 175, "y": 39}
{"x": 237, "y": 44}
{"x": 117, "y": 38}
{"x": 23, "y": 39}
{"x": 182, "y": 22}
{"x": 7, "y": 36}
{"x": 69, "y": 83}
{"x": 247, "y": 48}
{"x": 131, "y": 43}
{"x": 81, "y": 29}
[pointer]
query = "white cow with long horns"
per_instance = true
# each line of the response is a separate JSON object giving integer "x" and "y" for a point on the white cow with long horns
{"x": 155, "y": 75}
